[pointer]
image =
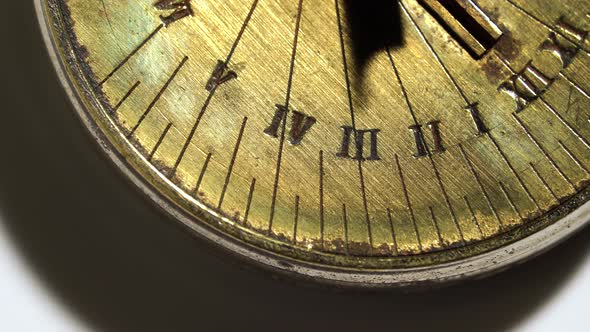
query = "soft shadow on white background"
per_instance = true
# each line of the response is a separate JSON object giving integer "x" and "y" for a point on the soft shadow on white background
{"x": 89, "y": 248}
{"x": 24, "y": 303}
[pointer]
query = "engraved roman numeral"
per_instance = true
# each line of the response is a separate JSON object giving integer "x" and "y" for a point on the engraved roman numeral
{"x": 180, "y": 9}
{"x": 564, "y": 51}
{"x": 219, "y": 76}
{"x": 526, "y": 87}
{"x": 300, "y": 124}
{"x": 531, "y": 83}
{"x": 467, "y": 23}
{"x": 422, "y": 149}
{"x": 359, "y": 143}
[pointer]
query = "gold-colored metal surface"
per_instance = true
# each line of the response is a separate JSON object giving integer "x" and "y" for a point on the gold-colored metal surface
{"x": 251, "y": 117}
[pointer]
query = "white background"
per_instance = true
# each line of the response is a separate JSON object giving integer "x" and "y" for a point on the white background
{"x": 80, "y": 247}
{"x": 26, "y": 306}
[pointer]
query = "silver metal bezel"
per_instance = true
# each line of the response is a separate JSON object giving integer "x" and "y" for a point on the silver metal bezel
{"x": 480, "y": 265}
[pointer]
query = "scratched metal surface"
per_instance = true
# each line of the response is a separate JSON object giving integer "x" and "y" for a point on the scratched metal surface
{"x": 468, "y": 146}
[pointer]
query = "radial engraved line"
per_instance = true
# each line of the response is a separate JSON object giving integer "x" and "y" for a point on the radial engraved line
{"x": 106, "y": 14}
{"x": 545, "y": 153}
{"x": 574, "y": 158}
{"x": 125, "y": 97}
{"x": 473, "y": 216}
{"x": 353, "y": 122}
{"x": 395, "y": 250}
{"x": 232, "y": 162}
{"x": 509, "y": 199}
{"x": 241, "y": 33}
{"x": 213, "y": 90}
{"x": 249, "y": 203}
{"x": 513, "y": 171}
{"x": 158, "y": 96}
{"x": 408, "y": 202}
{"x": 553, "y": 111}
{"x": 160, "y": 140}
{"x": 564, "y": 122}
{"x": 547, "y": 105}
{"x": 295, "y": 219}
{"x": 128, "y": 57}
{"x": 436, "y": 227}
{"x": 345, "y": 223}
{"x": 544, "y": 182}
{"x": 548, "y": 26}
{"x": 575, "y": 85}
{"x": 284, "y": 120}
{"x": 430, "y": 157}
{"x": 322, "y": 220}
{"x": 435, "y": 55}
{"x": 202, "y": 174}
{"x": 480, "y": 184}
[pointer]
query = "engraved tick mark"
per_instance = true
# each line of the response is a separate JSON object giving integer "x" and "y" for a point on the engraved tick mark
{"x": 572, "y": 34}
{"x": 395, "y": 248}
{"x": 477, "y": 178}
{"x": 509, "y": 199}
{"x": 232, "y": 162}
{"x": 131, "y": 55}
{"x": 202, "y": 174}
{"x": 158, "y": 96}
{"x": 207, "y": 102}
{"x": 160, "y": 140}
{"x": 249, "y": 202}
{"x": 125, "y": 97}
{"x": 296, "y": 219}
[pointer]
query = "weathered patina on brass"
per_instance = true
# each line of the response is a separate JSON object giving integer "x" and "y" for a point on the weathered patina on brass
{"x": 461, "y": 149}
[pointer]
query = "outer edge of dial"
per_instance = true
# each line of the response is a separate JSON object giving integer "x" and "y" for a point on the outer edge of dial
{"x": 477, "y": 266}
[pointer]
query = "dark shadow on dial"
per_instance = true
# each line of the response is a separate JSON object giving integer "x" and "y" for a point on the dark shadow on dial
{"x": 374, "y": 26}
{"x": 119, "y": 265}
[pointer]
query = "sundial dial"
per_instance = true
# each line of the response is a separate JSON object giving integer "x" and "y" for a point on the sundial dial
{"x": 364, "y": 144}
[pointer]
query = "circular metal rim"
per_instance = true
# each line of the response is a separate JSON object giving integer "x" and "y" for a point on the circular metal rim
{"x": 476, "y": 266}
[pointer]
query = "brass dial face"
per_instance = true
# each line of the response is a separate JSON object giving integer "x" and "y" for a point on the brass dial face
{"x": 463, "y": 132}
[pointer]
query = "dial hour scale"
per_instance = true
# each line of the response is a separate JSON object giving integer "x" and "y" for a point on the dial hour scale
{"x": 381, "y": 144}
